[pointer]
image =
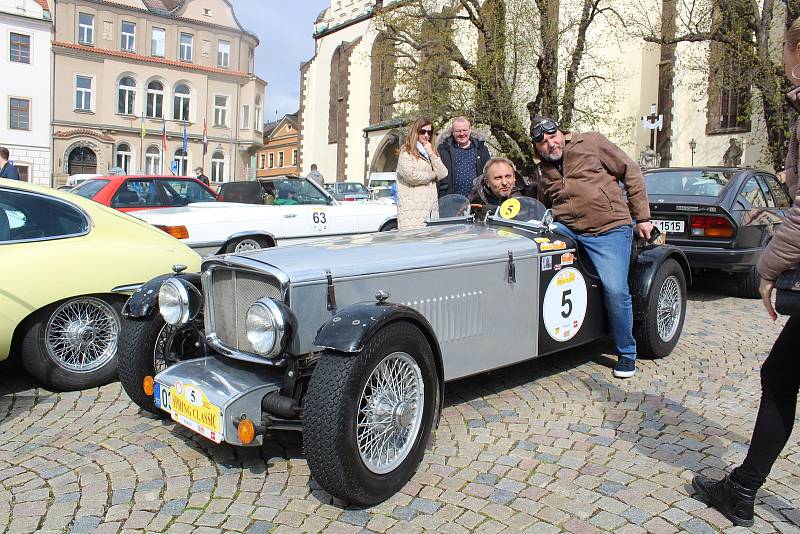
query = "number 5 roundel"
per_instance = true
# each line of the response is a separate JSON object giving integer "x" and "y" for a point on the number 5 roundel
{"x": 564, "y": 305}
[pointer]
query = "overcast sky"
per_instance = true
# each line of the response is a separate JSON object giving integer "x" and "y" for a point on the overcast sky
{"x": 284, "y": 28}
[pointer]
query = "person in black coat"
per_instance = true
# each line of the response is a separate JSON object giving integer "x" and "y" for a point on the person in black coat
{"x": 464, "y": 153}
{"x": 7, "y": 169}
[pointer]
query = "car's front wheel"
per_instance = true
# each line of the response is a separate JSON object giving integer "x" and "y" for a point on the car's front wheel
{"x": 73, "y": 344}
{"x": 368, "y": 416}
{"x": 658, "y": 332}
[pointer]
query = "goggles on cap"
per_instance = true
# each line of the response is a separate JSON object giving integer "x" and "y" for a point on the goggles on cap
{"x": 546, "y": 126}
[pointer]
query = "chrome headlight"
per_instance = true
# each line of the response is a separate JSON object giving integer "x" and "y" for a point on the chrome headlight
{"x": 173, "y": 302}
{"x": 265, "y": 326}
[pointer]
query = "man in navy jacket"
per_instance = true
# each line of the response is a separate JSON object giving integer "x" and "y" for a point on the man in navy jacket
{"x": 7, "y": 169}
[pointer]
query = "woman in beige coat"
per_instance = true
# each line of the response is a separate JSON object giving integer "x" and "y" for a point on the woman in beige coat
{"x": 418, "y": 169}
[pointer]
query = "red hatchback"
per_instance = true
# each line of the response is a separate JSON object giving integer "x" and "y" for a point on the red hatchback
{"x": 131, "y": 193}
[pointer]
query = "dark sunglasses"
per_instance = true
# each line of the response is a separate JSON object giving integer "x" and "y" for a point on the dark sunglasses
{"x": 428, "y": 131}
{"x": 793, "y": 98}
{"x": 546, "y": 126}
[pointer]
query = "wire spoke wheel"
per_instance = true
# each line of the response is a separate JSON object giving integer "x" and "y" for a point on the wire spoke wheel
{"x": 390, "y": 412}
{"x": 668, "y": 311}
{"x": 82, "y": 334}
{"x": 164, "y": 350}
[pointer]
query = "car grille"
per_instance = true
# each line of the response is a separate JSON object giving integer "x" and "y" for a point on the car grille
{"x": 232, "y": 294}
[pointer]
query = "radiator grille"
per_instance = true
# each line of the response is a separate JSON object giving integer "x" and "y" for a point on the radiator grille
{"x": 233, "y": 292}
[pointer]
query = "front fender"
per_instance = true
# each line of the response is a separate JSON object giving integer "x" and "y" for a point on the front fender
{"x": 352, "y": 327}
{"x": 644, "y": 271}
{"x": 144, "y": 301}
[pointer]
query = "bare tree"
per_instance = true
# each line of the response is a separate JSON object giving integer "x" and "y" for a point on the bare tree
{"x": 480, "y": 57}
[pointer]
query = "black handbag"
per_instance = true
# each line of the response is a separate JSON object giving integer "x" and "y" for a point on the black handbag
{"x": 787, "y": 294}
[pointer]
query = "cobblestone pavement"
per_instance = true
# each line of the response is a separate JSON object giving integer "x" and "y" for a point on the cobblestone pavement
{"x": 551, "y": 445}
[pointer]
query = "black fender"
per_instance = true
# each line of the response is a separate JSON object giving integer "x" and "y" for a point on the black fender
{"x": 644, "y": 269}
{"x": 144, "y": 301}
{"x": 352, "y": 327}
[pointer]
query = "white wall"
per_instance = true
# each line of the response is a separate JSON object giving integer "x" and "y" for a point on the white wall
{"x": 33, "y": 81}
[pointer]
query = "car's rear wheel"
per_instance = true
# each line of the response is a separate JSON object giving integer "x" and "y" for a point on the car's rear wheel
{"x": 246, "y": 244}
{"x": 659, "y": 331}
{"x": 368, "y": 416}
{"x": 391, "y": 225}
{"x": 747, "y": 284}
{"x": 150, "y": 346}
{"x": 73, "y": 344}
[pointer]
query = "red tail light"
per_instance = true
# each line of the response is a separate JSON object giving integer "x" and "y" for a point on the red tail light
{"x": 711, "y": 226}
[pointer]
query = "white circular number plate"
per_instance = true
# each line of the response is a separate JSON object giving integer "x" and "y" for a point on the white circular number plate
{"x": 564, "y": 306}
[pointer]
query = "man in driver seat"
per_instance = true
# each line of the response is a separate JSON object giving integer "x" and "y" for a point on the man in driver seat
{"x": 499, "y": 182}
{"x": 579, "y": 178}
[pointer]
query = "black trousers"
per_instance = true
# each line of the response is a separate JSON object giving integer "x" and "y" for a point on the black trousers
{"x": 780, "y": 380}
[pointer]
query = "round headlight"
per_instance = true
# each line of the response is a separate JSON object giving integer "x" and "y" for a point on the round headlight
{"x": 173, "y": 303}
{"x": 264, "y": 325}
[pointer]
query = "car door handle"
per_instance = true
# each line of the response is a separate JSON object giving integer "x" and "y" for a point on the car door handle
{"x": 289, "y": 215}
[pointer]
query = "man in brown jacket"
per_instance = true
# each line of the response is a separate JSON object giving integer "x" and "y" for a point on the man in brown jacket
{"x": 579, "y": 179}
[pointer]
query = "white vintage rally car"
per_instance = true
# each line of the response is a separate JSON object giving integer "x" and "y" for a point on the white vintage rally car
{"x": 296, "y": 210}
{"x": 352, "y": 340}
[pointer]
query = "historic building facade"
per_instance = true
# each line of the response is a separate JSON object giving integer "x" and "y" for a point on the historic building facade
{"x": 349, "y": 128}
{"x": 26, "y": 28}
{"x": 134, "y": 78}
{"x": 281, "y": 153}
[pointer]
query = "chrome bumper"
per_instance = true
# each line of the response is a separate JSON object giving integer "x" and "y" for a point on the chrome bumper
{"x": 234, "y": 388}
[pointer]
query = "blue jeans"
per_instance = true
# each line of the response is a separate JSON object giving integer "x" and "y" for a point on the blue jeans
{"x": 610, "y": 253}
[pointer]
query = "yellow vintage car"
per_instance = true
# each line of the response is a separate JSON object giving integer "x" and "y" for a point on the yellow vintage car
{"x": 68, "y": 266}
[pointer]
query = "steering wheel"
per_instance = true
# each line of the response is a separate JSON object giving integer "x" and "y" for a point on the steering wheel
{"x": 471, "y": 207}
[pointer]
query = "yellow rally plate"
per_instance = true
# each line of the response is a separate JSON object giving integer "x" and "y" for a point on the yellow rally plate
{"x": 510, "y": 208}
{"x": 191, "y": 408}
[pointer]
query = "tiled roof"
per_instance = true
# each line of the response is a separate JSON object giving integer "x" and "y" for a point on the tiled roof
{"x": 82, "y": 131}
{"x": 148, "y": 59}
{"x": 43, "y": 3}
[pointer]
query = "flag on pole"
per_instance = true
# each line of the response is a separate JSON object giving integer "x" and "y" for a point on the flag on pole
{"x": 185, "y": 141}
{"x": 205, "y": 137}
{"x": 144, "y": 130}
{"x": 164, "y": 137}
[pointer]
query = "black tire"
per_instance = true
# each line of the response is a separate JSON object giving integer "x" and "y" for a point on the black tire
{"x": 250, "y": 242}
{"x": 148, "y": 347}
{"x": 649, "y": 342}
{"x": 747, "y": 284}
{"x": 41, "y": 343}
{"x": 331, "y": 413}
{"x": 389, "y": 226}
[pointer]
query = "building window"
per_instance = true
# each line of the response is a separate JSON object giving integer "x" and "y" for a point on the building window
{"x": 220, "y": 110}
{"x": 152, "y": 161}
{"x": 270, "y": 160}
{"x": 245, "y": 116}
{"x": 83, "y": 93}
{"x": 127, "y": 96}
{"x": 124, "y": 155}
{"x": 224, "y": 54}
{"x": 155, "y": 99}
{"x": 19, "y": 114}
{"x": 262, "y": 160}
{"x": 181, "y": 102}
{"x": 86, "y": 29}
{"x": 186, "y": 47}
{"x": 183, "y": 162}
{"x": 158, "y": 42}
{"x": 251, "y": 61}
{"x": 20, "y": 48}
{"x": 217, "y": 167}
{"x": 257, "y": 115}
{"x": 128, "y": 37}
{"x": 24, "y": 172}
{"x": 294, "y": 157}
{"x": 280, "y": 159}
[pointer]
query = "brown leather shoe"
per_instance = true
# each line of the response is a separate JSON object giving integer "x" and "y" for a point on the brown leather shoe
{"x": 733, "y": 500}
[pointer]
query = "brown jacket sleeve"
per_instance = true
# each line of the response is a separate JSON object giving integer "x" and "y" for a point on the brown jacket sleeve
{"x": 627, "y": 171}
{"x": 783, "y": 251}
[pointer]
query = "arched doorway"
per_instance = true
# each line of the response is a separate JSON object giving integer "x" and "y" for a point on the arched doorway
{"x": 82, "y": 160}
{"x": 386, "y": 156}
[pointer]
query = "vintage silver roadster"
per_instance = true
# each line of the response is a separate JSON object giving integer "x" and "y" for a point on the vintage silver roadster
{"x": 352, "y": 340}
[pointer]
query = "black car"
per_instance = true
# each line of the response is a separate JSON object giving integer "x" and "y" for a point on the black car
{"x": 722, "y": 218}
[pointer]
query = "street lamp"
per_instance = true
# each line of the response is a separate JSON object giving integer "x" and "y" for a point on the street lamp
{"x": 692, "y": 147}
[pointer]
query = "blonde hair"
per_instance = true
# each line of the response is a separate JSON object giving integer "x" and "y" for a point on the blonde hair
{"x": 499, "y": 159}
{"x": 792, "y": 36}
{"x": 410, "y": 144}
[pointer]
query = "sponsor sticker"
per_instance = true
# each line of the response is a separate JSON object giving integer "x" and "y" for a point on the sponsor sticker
{"x": 547, "y": 263}
{"x": 559, "y": 245}
{"x": 567, "y": 258}
{"x": 544, "y": 247}
{"x": 542, "y": 239}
